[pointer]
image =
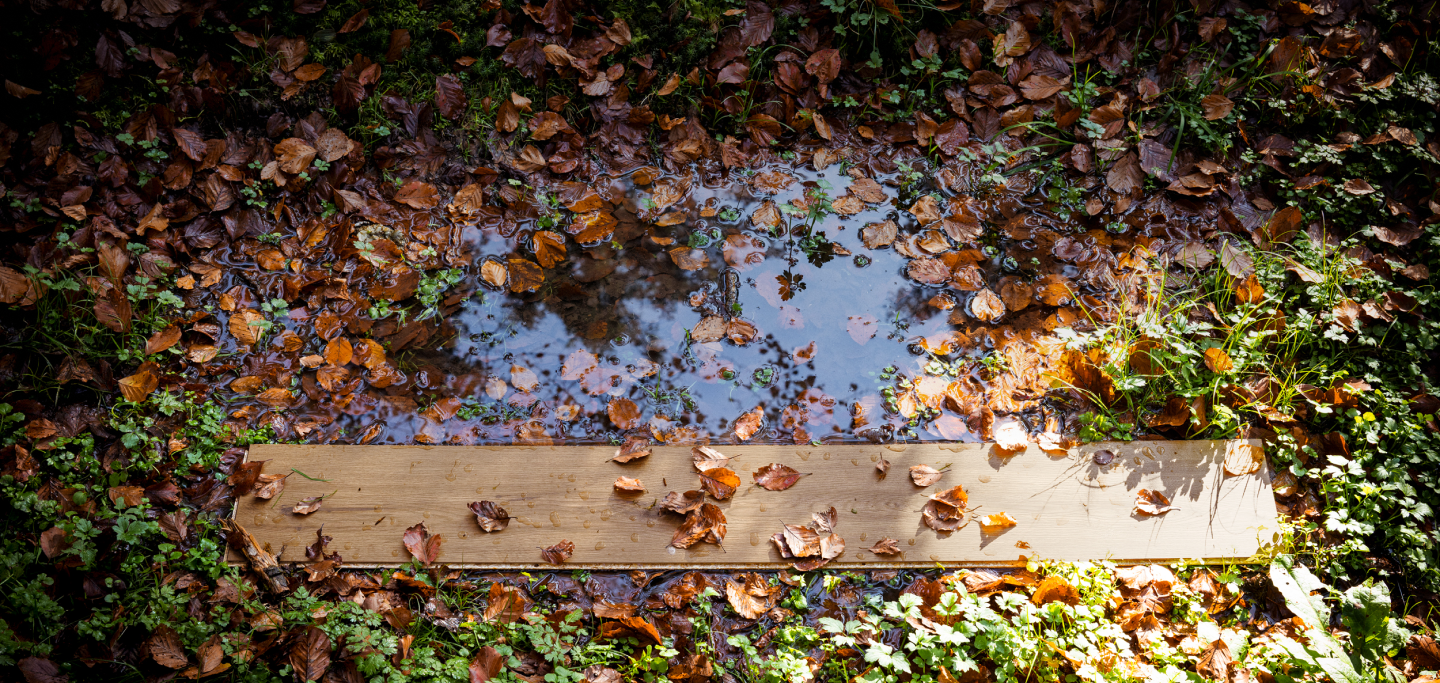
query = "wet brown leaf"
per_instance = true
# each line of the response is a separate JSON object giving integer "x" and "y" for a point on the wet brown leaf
{"x": 165, "y": 648}
{"x": 776, "y": 477}
{"x": 269, "y": 485}
{"x": 886, "y": 546}
{"x": 629, "y": 485}
{"x": 633, "y": 448}
{"x": 247, "y": 325}
{"x": 162, "y": 340}
{"x": 418, "y": 195}
{"x": 1149, "y": 502}
{"x": 689, "y": 259}
{"x": 682, "y": 503}
{"x": 421, "y": 544}
{"x": 719, "y": 482}
{"x": 1215, "y": 107}
{"x": 308, "y": 505}
{"x": 138, "y": 386}
{"x": 490, "y": 516}
{"x": 623, "y": 412}
{"x": 549, "y": 248}
{"x": 703, "y": 523}
{"x": 749, "y": 423}
{"x": 986, "y": 306}
{"x": 558, "y": 553}
{"x": 294, "y": 155}
{"x": 494, "y": 273}
{"x": 525, "y": 276}
{"x": 923, "y": 475}
{"x": 877, "y": 235}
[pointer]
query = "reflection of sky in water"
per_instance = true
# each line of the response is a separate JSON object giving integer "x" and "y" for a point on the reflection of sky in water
{"x": 646, "y": 307}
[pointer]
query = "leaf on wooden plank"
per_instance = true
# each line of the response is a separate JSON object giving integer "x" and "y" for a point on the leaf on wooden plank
{"x": 776, "y": 477}
{"x": 490, "y": 516}
{"x": 1148, "y": 502}
{"x": 558, "y": 553}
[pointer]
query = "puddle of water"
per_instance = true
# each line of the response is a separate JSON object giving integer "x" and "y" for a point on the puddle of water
{"x": 614, "y": 320}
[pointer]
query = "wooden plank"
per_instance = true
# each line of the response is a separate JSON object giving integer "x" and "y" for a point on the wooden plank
{"x": 1067, "y": 507}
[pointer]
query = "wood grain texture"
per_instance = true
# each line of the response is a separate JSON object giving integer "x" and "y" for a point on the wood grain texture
{"x": 1067, "y": 507}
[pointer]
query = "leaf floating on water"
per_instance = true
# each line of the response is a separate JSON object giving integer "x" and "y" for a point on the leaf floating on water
{"x": 886, "y": 546}
{"x": 704, "y": 523}
{"x": 922, "y": 475}
{"x": 494, "y": 273}
{"x": 1010, "y": 434}
{"x": 1149, "y": 502}
{"x": 629, "y": 485}
{"x": 558, "y": 553}
{"x": 776, "y": 477}
{"x": 308, "y": 505}
{"x": 421, "y": 544}
{"x": 719, "y": 482}
{"x": 1242, "y": 458}
{"x": 711, "y": 329}
{"x": 749, "y": 423}
{"x": 752, "y": 599}
{"x": 491, "y": 517}
{"x": 862, "y": 328}
{"x": 986, "y": 306}
{"x": 682, "y": 503}
{"x": 623, "y": 413}
{"x": 634, "y": 448}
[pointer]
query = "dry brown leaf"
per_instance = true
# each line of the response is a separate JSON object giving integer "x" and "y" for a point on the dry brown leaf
{"x": 1218, "y": 361}
{"x": 999, "y": 520}
{"x": 1055, "y": 589}
{"x": 1149, "y": 502}
{"x": 922, "y": 475}
{"x": 1243, "y": 458}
